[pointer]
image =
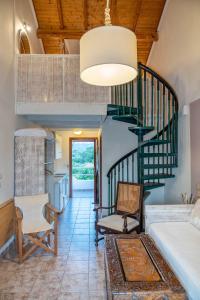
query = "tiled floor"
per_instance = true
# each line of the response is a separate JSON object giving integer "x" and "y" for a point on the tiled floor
{"x": 83, "y": 194}
{"x": 77, "y": 273}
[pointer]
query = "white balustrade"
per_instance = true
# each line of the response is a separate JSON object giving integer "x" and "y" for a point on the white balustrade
{"x": 54, "y": 79}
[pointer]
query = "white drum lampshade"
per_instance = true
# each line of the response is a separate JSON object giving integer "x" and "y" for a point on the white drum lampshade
{"x": 108, "y": 56}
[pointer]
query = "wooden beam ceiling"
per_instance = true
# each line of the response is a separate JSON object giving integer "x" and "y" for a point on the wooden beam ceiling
{"x": 61, "y": 20}
{"x": 85, "y": 14}
{"x": 66, "y": 34}
{"x": 137, "y": 14}
{"x": 60, "y": 14}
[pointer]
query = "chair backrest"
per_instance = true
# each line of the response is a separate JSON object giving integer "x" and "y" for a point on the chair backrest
{"x": 32, "y": 207}
{"x": 129, "y": 197}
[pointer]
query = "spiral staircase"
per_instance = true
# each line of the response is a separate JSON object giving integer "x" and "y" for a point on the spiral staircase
{"x": 149, "y": 104}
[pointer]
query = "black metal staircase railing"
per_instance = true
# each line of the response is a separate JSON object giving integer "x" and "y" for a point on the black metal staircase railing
{"x": 151, "y": 106}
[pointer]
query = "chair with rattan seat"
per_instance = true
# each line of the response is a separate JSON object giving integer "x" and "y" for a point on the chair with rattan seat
{"x": 36, "y": 221}
{"x": 125, "y": 216}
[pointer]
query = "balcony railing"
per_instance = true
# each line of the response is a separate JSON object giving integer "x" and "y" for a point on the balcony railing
{"x": 54, "y": 79}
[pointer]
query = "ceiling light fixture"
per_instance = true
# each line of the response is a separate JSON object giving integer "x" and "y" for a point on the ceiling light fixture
{"x": 77, "y": 131}
{"x": 26, "y": 27}
{"x": 108, "y": 54}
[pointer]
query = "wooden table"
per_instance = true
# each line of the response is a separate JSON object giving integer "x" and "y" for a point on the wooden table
{"x": 135, "y": 270}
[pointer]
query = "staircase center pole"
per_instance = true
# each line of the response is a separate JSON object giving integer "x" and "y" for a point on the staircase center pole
{"x": 139, "y": 97}
{"x": 140, "y": 158}
{"x": 140, "y": 123}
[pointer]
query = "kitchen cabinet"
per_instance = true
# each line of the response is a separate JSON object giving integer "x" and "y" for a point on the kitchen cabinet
{"x": 58, "y": 146}
{"x": 58, "y": 196}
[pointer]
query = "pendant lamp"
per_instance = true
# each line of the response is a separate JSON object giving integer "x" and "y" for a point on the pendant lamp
{"x": 108, "y": 54}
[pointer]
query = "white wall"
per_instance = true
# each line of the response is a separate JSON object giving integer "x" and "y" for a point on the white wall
{"x": 24, "y": 12}
{"x": 8, "y": 121}
{"x": 117, "y": 140}
{"x": 62, "y": 164}
{"x": 195, "y": 146}
{"x": 176, "y": 56}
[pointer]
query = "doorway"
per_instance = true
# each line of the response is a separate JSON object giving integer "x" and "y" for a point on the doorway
{"x": 82, "y": 163}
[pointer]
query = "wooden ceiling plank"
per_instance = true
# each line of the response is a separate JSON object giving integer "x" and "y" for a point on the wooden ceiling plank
{"x": 113, "y": 12}
{"x": 60, "y": 13}
{"x": 66, "y": 34}
{"x": 137, "y": 14}
{"x": 85, "y": 14}
{"x": 66, "y": 19}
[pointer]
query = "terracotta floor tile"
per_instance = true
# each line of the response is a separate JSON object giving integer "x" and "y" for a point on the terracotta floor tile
{"x": 96, "y": 254}
{"x": 96, "y": 266}
{"x": 97, "y": 259}
{"x": 78, "y": 255}
{"x": 77, "y": 241}
{"x": 18, "y": 296}
{"x": 73, "y": 296}
{"x": 97, "y": 295}
{"x": 77, "y": 237}
{"x": 82, "y": 231}
{"x": 94, "y": 248}
{"x": 47, "y": 285}
{"x": 96, "y": 282}
{"x": 7, "y": 296}
{"x": 63, "y": 252}
{"x": 54, "y": 264}
{"x": 62, "y": 243}
{"x": 45, "y": 294}
{"x": 7, "y": 266}
{"x": 81, "y": 243}
{"x": 17, "y": 282}
{"x": 74, "y": 282}
{"x": 77, "y": 273}
{"x": 65, "y": 231}
{"x": 74, "y": 267}
{"x": 82, "y": 221}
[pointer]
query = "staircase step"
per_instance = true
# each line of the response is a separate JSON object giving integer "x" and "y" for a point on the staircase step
{"x": 141, "y": 130}
{"x": 126, "y": 118}
{"x": 158, "y": 154}
{"x": 159, "y": 166}
{"x": 157, "y": 176}
{"x": 152, "y": 185}
{"x": 154, "y": 142}
{"x": 113, "y": 109}
{"x": 113, "y": 112}
{"x": 110, "y": 106}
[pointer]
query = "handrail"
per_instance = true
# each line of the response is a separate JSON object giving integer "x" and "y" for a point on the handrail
{"x": 135, "y": 150}
{"x": 160, "y": 78}
{"x": 121, "y": 159}
{"x": 168, "y": 86}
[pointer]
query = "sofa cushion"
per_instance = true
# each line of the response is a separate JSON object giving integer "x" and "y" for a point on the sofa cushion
{"x": 116, "y": 222}
{"x": 195, "y": 215}
{"x": 179, "y": 242}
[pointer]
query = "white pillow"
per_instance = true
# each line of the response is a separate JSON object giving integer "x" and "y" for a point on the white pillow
{"x": 195, "y": 215}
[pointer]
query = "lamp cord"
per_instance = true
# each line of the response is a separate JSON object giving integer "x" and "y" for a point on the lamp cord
{"x": 107, "y": 14}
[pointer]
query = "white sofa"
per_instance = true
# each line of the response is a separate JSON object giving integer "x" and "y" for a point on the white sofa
{"x": 179, "y": 242}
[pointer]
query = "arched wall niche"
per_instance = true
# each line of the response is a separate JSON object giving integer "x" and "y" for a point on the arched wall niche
{"x": 23, "y": 43}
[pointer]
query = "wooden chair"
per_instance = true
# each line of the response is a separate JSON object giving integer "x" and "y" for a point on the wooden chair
{"x": 36, "y": 220}
{"x": 127, "y": 215}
